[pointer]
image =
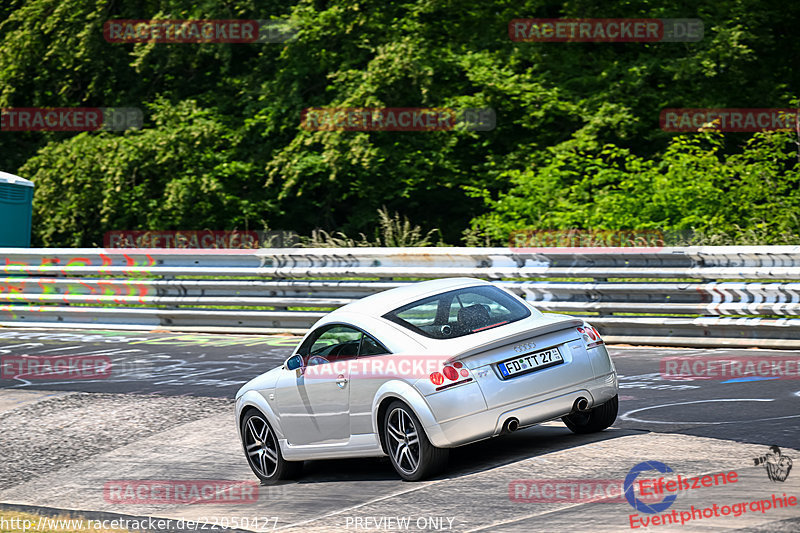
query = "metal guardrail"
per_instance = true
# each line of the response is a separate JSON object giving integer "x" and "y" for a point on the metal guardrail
{"x": 701, "y": 296}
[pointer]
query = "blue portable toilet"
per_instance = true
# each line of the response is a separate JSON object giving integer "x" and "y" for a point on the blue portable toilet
{"x": 16, "y": 206}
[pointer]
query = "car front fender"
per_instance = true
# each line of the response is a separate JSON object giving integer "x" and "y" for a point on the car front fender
{"x": 255, "y": 400}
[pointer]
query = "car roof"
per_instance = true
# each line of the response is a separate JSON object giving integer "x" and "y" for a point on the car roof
{"x": 381, "y": 303}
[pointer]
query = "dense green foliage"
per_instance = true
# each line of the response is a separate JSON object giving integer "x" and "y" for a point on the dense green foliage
{"x": 577, "y": 142}
{"x": 693, "y": 192}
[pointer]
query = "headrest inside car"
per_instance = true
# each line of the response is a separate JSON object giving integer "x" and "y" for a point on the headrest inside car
{"x": 474, "y": 316}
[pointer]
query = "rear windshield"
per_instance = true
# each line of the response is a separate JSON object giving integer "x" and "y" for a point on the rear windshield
{"x": 459, "y": 312}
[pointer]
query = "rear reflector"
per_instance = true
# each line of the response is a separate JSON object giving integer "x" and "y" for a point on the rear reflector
{"x": 453, "y": 384}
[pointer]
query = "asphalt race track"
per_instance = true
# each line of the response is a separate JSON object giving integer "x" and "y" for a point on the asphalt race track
{"x": 164, "y": 412}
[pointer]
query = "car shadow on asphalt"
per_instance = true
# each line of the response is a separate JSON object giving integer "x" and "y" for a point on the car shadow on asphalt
{"x": 465, "y": 460}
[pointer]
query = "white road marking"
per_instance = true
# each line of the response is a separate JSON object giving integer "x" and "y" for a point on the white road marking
{"x": 629, "y": 418}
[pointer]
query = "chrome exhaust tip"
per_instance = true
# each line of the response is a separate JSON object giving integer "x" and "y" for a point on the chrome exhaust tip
{"x": 581, "y": 404}
{"x": 510, "y": 425}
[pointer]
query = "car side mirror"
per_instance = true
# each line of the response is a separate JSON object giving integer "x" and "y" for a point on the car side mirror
{"x": 294, "y": 362}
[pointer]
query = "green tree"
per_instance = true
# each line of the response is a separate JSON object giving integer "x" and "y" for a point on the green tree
{"x": 555, "y": 104}
{"x": 177, "y": 175}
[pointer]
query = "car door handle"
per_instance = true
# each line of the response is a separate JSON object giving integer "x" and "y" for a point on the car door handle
{"x": 341, "y": 381}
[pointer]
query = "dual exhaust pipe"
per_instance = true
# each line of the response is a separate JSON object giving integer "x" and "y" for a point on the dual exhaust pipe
{"x": 512, "y": 424}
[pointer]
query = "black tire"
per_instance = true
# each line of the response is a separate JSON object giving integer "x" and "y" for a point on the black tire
{"x": 263, "y": 451}
{"x": 595, "y": 419}
{"x": 411, "y": 453}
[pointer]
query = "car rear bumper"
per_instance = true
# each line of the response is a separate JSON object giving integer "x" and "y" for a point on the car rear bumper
{"x": 534, "y": 410}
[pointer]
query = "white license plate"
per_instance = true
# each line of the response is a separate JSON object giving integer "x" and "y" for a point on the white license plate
{"x": 530, "y": 363}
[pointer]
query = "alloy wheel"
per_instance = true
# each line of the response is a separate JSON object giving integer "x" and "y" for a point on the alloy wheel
{"x": 403, "y": 440}
{"x": 261, "y": 446}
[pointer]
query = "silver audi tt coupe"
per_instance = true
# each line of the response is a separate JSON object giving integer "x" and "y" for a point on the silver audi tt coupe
{"x": 413, "y": 371}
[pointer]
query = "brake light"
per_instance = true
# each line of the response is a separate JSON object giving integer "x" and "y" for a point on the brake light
{"x": 451, "y": 375}
{"x": 590, "y": 336}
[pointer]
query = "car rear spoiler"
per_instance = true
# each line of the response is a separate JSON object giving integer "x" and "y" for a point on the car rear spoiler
{"x": 544, "y": 329}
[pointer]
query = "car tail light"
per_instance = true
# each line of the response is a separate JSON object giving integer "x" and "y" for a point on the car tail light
{"x": 590, "y": 336}
{"x": 451, "y": 375}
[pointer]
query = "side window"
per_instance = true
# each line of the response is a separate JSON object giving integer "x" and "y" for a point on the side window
{"x": 335, "y": 343}
{"x": 370, "y": 346}
{"x": 423, "y": 314}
